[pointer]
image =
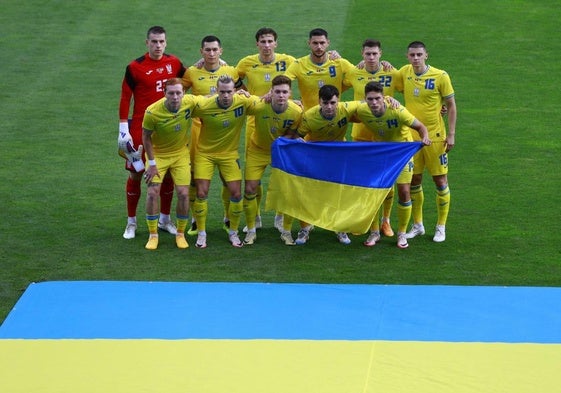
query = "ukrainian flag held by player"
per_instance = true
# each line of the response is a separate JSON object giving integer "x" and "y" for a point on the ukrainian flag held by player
{"x": 335, "y": 185}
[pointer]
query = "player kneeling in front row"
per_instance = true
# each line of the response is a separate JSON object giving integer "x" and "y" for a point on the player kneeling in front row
{"x": 391, "y": 125}
{"x": 165, "y": 135}
{"x": 280, "y": 117}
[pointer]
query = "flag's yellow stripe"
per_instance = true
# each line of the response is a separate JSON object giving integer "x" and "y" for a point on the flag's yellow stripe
{"x": 334, "y": 206}
{"x": 276, "y": 366}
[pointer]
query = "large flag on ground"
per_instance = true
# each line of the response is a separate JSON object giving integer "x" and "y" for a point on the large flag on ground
{"x": 335, "y": 185}
{"x": 178, "y": 337}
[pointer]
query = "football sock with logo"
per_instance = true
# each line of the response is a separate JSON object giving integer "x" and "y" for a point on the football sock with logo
{"x": 417, "y": 200}
{"x": 250, "y": 209}
{"x": 235, "y": 211}
{"x": 133, "y": 190}
{"x": 442, "y": 204}
{"x": 403, "y": 215}
{"x": 200, "y": 211}
{"x": 166, "y": 195}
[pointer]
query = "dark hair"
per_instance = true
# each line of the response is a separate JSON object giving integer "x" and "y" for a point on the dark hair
{"x": 376, "y": 87}
{"x": 281, "y": 80}
{"x": 417, "y": 44}
{"x": 318, "y": 32}
{"x": 210, "y": 38}
{"x": 370, "y": 43}
{"x": 326, "y": 92}
{"x": 263, "y": 31}
{"x": 155, "y": 30}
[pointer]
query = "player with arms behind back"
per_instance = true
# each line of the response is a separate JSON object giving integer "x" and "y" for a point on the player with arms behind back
{"x": 201, "y": 80}
{"x": 258, "y": 70}
{"x": 143, "y": 83}
{"x": 317, "y": 69}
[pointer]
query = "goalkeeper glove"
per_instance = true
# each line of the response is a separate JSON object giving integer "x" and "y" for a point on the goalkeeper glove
{"x": 126, "y": 147}
{"x": 124, "y": 140}
{"x": 135, "y": 158}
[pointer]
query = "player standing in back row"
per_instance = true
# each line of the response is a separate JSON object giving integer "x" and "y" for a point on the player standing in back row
{"x": 143, "y": 83}
{"x": 259, "y": 70}
{"x": 425, "y": 89}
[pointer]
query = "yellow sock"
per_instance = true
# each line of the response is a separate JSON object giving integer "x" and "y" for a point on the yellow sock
{"x": 226, "y": 201}
{"x": 287, "y": 222}
{"x": 375, "y": 227}
{"x": 152, "y": 222}
{"x": 182, "y": 222}
{"x": 417, "y": 200}
{"x": 200, "y": 211}
{"x": 235, "y": 211}
{"x": 258, "y": 197}
{"x": 442, "y": 204}
{"x": 250, "y": 209}
{"x": 403, "y": 215}
{"x": 192, "y": 197}
{"x": 388, "y": 203}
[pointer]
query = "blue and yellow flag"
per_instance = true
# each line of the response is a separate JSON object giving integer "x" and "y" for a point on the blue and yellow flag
{"x": 178, "y": 337}
{"x": 335, "y": 185}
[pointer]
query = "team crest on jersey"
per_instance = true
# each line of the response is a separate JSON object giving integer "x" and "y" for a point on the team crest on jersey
{"x": 226, "y": 123}
{"x": 274, "y": 130}
{"x": 321, "y": 83}
{"x": 178, "y": 127}
{"x": 416, "y": 92}
{"x": 267, "y": 77}
{"x": 169, "y": 68}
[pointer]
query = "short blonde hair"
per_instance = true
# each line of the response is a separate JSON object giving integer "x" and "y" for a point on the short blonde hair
{"x": 225, "y": 79}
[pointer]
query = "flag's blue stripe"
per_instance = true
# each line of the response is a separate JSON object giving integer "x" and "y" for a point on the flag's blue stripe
{"x": 285, "y": 311}
{"x": 365, "y": 164}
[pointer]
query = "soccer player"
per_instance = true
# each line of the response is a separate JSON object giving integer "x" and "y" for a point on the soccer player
{"x": 201, "y": 80}
{"x": 278, "y": 118}
{"x": 391, "y": 125}
{"x": 166, "y": 141}
{"x": 144, "y": 82}
{"x": 317, "y": 69}
{"x": 425, "y": 88}
{"x": 222, "y": 117}
{"x": 259, "y": 70}
{"x": 327, "y": 121}
{"x": 357, "y": 78}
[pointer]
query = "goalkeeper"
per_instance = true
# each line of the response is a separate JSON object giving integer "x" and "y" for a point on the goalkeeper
{"x": 143, "y": 84}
